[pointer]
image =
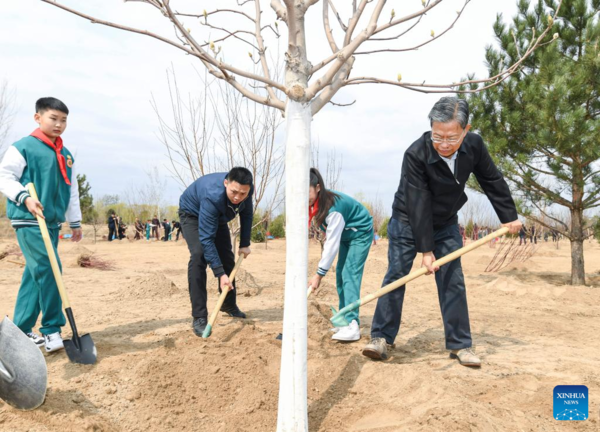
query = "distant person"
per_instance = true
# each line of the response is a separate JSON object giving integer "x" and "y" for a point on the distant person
{"x": 177, "y": 226}
{"x": 523, "y": 236}
{"x": 156, "y": 228}
{"x": 111, "y": 227}
{"x": 120, "y": 228}
{"x": 41, "y": 159}
{"x": 205, "y": 208}
{"x": 348, "y": 228}
{"x": 148, "y": 229}
{"x": 139, "y": 229}
{"x": 435, "y": 170}
{"x": 166, "y": 229}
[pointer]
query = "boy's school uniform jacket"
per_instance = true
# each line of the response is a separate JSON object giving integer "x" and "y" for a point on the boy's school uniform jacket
{"x": 29, "y": 160}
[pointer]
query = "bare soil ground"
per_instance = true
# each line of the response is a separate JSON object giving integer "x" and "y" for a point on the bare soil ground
{"x": 532, "y": 330}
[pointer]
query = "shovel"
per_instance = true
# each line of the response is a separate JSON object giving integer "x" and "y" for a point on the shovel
{"x": 80, "y": 349}
{"x": 23, "y": 371}
{"x": 339, "y": 320}
{"x": 213, "y": 317}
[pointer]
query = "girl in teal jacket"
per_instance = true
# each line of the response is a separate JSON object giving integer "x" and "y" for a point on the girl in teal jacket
{"x": 348, "y": 228}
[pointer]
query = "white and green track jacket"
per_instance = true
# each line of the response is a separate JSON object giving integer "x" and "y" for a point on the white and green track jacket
{"x": 31, "y": 161}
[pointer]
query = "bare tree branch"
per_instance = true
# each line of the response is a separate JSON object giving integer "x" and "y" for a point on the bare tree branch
{"x": 197, "y": 51}
{"x": 346, "y": 53}
{"x": 261, "y": 53}
{"x": 416, "y": 47}
{"x": 406, "y": 18}
{"x": 327, "y": 94}
{"x": 354, "y": 20}
{"x": 453, "y": 88}
{"x": 280, "y": 10}
{"x": 337, "y": 15}
{"x": 328, "y": 32}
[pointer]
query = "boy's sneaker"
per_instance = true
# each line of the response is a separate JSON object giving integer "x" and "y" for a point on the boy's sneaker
{"x": 54, "y": 342}
{"x": 350, "y": 333}
{"x": 36, "y": 339}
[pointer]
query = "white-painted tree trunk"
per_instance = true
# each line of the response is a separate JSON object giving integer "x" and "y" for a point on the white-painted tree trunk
{"x": 292, "y": 414}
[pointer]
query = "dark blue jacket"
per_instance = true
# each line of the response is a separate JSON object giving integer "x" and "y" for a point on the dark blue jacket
{"x": 206, "y": 199}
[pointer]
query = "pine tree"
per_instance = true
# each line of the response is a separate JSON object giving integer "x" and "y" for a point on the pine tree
{"x": 542, "y": 124}
{"x": 86, "y": 200}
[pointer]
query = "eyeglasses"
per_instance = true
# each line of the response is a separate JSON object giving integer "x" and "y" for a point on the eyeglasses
{"x": 447, "y": 140}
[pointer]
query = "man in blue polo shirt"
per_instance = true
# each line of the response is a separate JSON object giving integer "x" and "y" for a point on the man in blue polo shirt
{"x": 205, "y": 208}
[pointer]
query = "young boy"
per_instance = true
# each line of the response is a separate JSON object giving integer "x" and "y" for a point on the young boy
{"x": 42, "y": 160}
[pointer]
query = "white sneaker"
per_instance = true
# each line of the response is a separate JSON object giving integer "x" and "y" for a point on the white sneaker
{"x": 350, "y": 333}
{"x": 54, "y": 342}
{"x": 36, "y": 339}
{"x": 336, "y": 330}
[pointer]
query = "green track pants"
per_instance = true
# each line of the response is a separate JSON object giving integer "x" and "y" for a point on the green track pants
{"x": 38, "y": 291}
{"x": 349, "y": 272}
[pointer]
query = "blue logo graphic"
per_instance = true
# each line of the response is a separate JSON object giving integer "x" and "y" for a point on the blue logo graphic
{"x": 571, "y": 403}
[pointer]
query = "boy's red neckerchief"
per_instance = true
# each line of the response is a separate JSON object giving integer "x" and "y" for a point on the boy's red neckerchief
{"x": 62, "y": 165}
{"x": 312, "y": 211}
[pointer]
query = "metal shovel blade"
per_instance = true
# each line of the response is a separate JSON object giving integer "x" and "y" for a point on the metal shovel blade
{"x": 81, "y": 350}
{"x": 339, "y": 320}
{"x": 23, "y": 371}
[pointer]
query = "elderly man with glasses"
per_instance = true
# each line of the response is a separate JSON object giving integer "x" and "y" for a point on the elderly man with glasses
{"x": 435, "y": 171}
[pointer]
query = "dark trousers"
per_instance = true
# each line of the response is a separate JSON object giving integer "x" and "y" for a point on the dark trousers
{"x": 177, "y": 234}
{"x": 167, "y": 232}
{"x": 111, "y": 232}
{"x": 449, "y": 279}
{"x": 197, "y": 264}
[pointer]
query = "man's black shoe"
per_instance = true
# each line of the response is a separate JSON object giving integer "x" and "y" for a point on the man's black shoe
{"x": 199, "y": 326}
{"x": 234, "y": 312}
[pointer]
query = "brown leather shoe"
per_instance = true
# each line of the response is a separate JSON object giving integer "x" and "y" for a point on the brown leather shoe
{"x": 466, "y": 357}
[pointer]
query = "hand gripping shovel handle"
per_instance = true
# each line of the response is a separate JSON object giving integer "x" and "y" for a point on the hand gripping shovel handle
{"x": 338, "y": 319}
{"x": 215, "y": 313}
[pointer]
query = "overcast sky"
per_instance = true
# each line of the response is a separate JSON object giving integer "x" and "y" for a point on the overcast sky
{"x": 107, "y": 78}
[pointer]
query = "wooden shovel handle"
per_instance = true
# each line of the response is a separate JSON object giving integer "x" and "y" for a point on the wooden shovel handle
{"x": 438, "y": 263}
{"x": 215, "y": 312}
{"x": 50, "y": 250}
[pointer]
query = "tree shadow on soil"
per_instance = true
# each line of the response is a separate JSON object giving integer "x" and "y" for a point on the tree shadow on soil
{"x": 337, "y": 391}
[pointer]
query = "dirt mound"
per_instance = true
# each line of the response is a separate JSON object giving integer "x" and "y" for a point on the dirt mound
{"x": 79, "y": 250}
{"x": 155, "y": 285}
{"x": 248, "y": 285}
{"x": 533, "y": 288}
{"x": 318, "y": 321}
